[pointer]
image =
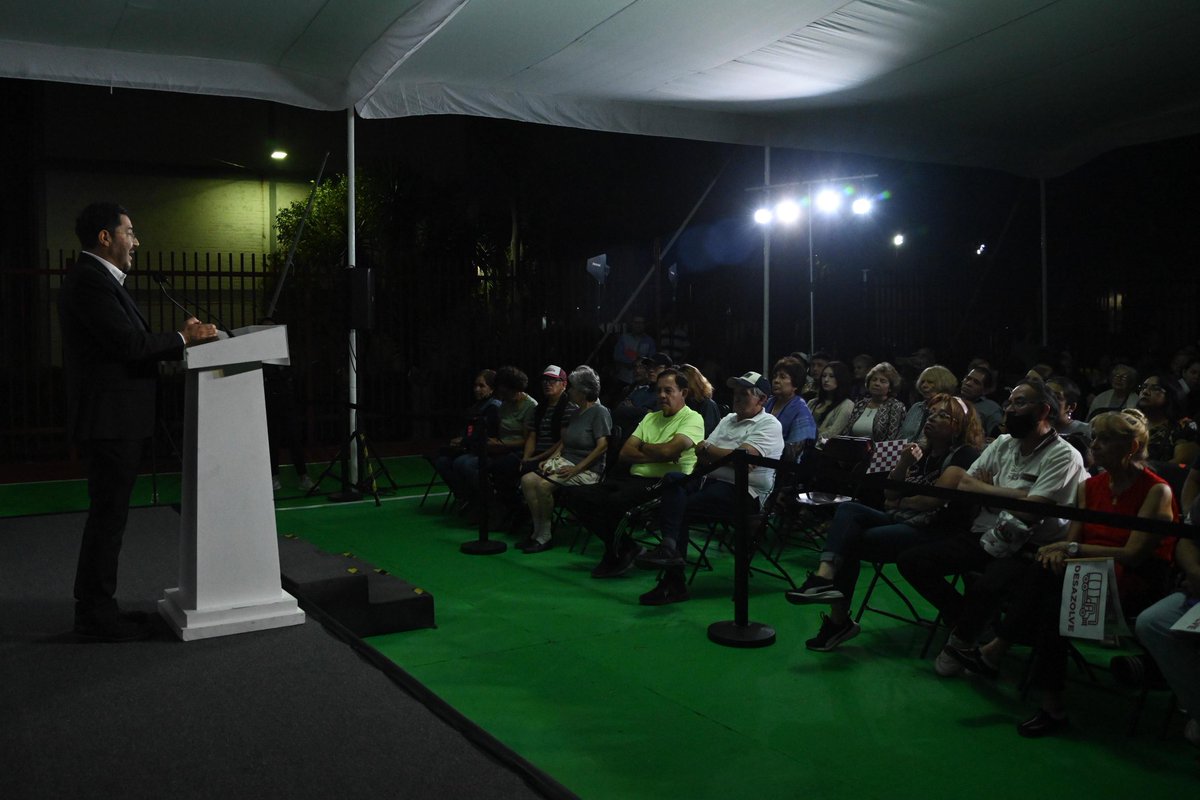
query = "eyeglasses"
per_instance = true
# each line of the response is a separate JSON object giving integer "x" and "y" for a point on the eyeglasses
{"x": 1019, "y": 403}
{"x": 1153, "y": 388}
{"x": 940, "y": 415}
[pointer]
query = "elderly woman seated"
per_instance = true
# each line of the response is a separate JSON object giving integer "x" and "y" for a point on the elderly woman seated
{"x": 832, "y": 406}
{"x": 933, "y": 380}
{"x": 950, "y": 443}
{"x": 576, "y": 459}
{"x": 878, "y": 414}
{"x": 787, "y": 406}
{"x": 1122, "y": 378}
{"x": 1034, "y": 589}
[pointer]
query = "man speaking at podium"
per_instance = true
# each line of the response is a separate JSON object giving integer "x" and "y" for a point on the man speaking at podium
{"x": 110, "y": 360}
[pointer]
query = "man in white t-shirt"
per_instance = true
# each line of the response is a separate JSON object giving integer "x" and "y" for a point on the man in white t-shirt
{"x": 1030, "y": 462}
{"x": 748, "y": 428}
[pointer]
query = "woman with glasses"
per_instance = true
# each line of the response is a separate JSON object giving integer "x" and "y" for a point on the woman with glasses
{"x": 832, "y": 406}
{"x": 1172, "y": 435}
{"x": 950, "y": 442}
{"x": 1123, "y": 378}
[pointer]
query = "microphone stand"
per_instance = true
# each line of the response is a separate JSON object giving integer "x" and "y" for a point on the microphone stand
{"x": 163, "y": 282}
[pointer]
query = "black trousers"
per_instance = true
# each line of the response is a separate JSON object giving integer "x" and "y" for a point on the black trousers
{"x": 926, "y": 566}
{"x": 600, "y": 506}
{"x": 112, "y": 472}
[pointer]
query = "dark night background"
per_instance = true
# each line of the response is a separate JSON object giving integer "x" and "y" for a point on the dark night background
{"x": 451, "y": 194}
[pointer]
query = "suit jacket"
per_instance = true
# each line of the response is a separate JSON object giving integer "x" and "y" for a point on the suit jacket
{"x": 110, "y": 356}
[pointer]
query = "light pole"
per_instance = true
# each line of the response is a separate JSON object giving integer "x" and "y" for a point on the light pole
{"x": 787, "y": 211}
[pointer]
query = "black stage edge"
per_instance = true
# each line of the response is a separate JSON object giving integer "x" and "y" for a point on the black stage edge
{"x": 536, "y": 779}
{"x": 366, "y": 600}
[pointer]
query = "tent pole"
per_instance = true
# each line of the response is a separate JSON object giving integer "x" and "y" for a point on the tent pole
{"x": 1045, "y": 295}
{"x": 351, "y": 260}
{"x": 766, "y": 344}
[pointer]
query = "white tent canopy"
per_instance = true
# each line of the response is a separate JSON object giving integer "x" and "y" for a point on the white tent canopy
{"x": 1035, "y": 87}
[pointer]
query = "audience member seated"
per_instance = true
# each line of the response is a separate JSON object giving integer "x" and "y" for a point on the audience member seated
{"x": 1122, "y": 378}
{"x": 663, "y": 442}
{"x": 458, "y": 463}
{"x": 816, "y": 365}
{"x": 787, "y": 406}
{"x": 630, "y": 348}
{"x": 748, "y": 428}
{"x": 1177, "y": 653}
{"x": 516, "y": 413}
{"x": 950, "y": 443}
{"x": 1068, "y": 395}
{"x": 860, "y": 365}
{"x": 977, "y": 384}
{"x": 832, "y": 406}
{"x": 640, "y": 398}
{"x": 700, "y": 397}
{"x": 1172, "y": 436}
{"x": 1141, "y": 561}
{"x": 934, "y": 379}
{"x": 549, "y": 418}
{"x": 1030, "y": 462}
{"x": 1191, "y": 377}
{"x": 576, "y": 459}
{"x": 879, "y": 414}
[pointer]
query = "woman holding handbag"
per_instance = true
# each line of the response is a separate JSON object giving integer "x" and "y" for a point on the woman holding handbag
{"x": 951, "y": 441}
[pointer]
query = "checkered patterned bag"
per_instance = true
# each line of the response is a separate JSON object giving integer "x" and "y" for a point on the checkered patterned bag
{"x": 885, "y": 455}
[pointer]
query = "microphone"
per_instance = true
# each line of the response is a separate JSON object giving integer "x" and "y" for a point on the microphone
{"x": 163, "y": 282}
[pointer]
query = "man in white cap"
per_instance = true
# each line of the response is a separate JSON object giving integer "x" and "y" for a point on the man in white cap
{"x": 748, "y": 428}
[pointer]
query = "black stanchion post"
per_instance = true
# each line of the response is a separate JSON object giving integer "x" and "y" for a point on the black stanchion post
{"x": 740, "y": 632}
{"x": 482, "y": 546}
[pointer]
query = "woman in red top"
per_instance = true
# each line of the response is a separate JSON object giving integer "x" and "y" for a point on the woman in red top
{"x": 1141, "y": 559}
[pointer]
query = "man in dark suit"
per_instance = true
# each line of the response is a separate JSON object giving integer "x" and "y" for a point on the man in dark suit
{"x": 111, "y": 364}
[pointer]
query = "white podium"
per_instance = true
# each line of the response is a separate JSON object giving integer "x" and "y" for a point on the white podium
{"x": 229, "y": 550}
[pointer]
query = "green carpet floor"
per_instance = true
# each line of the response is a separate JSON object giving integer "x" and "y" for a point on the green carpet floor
{"x": 616, "y": 700}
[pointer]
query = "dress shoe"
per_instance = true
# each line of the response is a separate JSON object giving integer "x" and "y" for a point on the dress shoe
{"x": 668, "y": 590}
{"x": 538, "y": 547}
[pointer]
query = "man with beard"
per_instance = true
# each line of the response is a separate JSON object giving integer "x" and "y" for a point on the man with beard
{"x": 1031, "y": 462}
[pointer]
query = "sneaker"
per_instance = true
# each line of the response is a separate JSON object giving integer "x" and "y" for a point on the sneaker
{"x": 668, "y": 590}
{"x": 814, "y": 590}
{"x": 662, "y": 556}
{"x": 972, "y": 661}
{"x": 947, "y": 665}
{"x": 276, "y": 485}
{"x": 305, "y": 483}
{"x": 832, "y": 634}
{"x": 1042, "y": 724}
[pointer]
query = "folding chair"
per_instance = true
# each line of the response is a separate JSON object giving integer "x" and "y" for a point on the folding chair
{"x": 913, "y": 616}
{"x": 435, "y": 479}
{"x": 831, "y": 475}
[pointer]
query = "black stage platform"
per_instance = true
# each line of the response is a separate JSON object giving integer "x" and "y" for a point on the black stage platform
{"x": 299, "y": 712}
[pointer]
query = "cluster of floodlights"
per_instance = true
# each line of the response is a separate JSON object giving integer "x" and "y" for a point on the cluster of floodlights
{"x": 826, "y": 201}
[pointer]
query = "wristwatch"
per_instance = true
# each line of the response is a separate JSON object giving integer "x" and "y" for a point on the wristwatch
{"x": 1073, "y": 549}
